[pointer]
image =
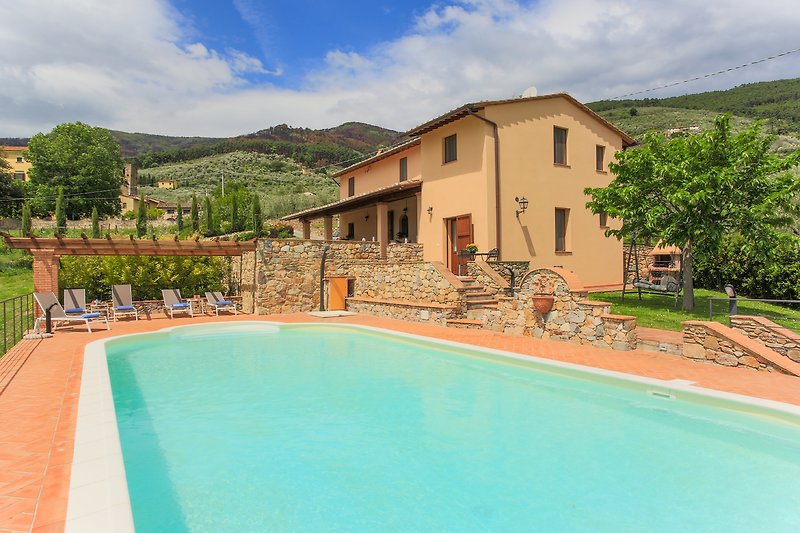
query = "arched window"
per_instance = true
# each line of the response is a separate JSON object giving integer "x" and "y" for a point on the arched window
{"x": 403, "y": 227}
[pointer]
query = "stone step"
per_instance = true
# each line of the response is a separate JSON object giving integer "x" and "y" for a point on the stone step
{"x": 465, "y": 278}
{"x": 484, "y": 295}
{"x": 465, "y": 323}
{"x": 475, "y": 287}
{"x": 484, "y": 302}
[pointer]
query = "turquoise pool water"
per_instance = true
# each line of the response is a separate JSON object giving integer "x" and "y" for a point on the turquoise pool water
{"x": 316, "y": 428}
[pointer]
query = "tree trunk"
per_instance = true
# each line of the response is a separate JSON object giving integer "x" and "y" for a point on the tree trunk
{"x": 688, "y": 278}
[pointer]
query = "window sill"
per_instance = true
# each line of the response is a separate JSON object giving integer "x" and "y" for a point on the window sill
{"x": 449, "y": 162}
{"x": 563, "y": 252}
{"x": 561, "y": 165}
{"x": 601, "y": 171}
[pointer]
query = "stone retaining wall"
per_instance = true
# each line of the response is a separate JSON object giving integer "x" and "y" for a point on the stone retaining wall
{"x": 403, "y": 310}
{"x": 714, "y": 343}
{"x": 485, "y": 274}
{"x": 572, "y": 318}
{"x": 282, "y": 276}
{"x": 520, "y": 268}
{"x": 784, "y": 341}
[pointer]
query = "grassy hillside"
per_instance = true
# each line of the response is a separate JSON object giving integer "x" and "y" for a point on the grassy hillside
{"x": 776, "y": 102}
{"x": 284, "y": 185}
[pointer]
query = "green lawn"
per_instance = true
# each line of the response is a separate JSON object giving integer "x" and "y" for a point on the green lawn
{"x": 15, "y": 282}
{"x": 656, "y": 311}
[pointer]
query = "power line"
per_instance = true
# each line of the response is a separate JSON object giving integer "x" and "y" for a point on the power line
{"x": 724, "y": 71}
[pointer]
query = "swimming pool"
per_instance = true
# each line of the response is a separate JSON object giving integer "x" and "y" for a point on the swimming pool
{"x": 240, "y": 427}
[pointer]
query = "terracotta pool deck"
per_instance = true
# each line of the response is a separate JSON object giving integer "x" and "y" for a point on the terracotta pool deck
{"x": 40, "y": 382}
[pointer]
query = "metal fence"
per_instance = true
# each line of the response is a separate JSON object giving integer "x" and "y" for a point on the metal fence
{"x": 785, "y": 314}
{"x": 18, "y": 315}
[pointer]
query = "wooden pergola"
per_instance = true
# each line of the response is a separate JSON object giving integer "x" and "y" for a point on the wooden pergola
{"x": 46, "y": 251}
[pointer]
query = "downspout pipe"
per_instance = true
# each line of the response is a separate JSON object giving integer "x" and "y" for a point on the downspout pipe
{"x": 496, "y": 180}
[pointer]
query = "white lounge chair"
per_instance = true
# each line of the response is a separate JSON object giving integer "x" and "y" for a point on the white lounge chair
{"x": 122, "y": 302}
{"x": 48, "y": 300}
{"x": 218, "y": 302}
{"x": 74, "y": 301}
{"x": 173, "y": 302}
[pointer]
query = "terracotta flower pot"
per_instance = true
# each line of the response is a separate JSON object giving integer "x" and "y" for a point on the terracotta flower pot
{"x": 543, "y": 303}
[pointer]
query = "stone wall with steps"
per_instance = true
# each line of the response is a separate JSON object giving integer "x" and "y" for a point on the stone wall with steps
{"x": 715, "y": 343}
{"x": 572, "y": 318}
{"x": 774, "y": 336}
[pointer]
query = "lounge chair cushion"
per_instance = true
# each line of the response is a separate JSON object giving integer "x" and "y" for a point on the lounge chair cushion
{"x": 90, "y": 315}
{"x": 223, "y": 302}
{"x": 74, "y": 310}
{"x": 124, "y": 308}
{"x": 181, "y": 305}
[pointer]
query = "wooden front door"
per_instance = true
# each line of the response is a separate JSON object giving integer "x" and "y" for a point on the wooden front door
{"x": 459, "y": 235}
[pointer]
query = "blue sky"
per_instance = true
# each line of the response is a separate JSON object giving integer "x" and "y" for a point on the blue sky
{"x": 230, "y": 67}
{"x": 293, "y": 37}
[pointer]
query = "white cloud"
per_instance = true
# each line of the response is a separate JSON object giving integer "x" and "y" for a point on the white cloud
{"x": 135, "y": 66}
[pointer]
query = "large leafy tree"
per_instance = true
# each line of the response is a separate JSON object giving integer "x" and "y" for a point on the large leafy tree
{"x": 11, "y": 192}
{"x": 85, "y": 161}
{"x": 692, "y": 191}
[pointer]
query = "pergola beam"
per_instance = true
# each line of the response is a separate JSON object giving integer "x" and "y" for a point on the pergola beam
{"x": 83, "y": 246}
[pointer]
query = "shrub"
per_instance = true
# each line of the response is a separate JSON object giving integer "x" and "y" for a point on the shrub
{"x": 147, "y": 275}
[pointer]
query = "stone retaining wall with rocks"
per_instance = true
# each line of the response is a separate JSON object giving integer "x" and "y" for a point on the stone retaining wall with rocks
{"x": 715, "y": 343}
{"x": 572, "y": 318}
{"x": 774, "y": 336}
{"x": 282, "y": 276}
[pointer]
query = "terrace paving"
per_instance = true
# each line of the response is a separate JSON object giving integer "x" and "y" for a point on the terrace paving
{"x": 40, "y": 384}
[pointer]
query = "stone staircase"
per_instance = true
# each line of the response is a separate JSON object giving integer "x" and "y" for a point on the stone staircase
{"x": 478, "y": 300}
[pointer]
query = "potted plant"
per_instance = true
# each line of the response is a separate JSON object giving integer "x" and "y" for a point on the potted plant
{"x": 543, "y": 294}
{"x": 472, "y": 248}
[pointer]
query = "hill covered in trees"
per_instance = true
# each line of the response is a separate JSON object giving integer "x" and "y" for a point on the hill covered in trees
{"x": 776, "y": 102}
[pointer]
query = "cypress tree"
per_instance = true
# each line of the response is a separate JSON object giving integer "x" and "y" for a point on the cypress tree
{"x": 61, "y": 215}
{"x": 209, "y": 216}
{"x": 258, "y": 222}
{"x": 141, "y": 218}
{"x": 95, "y": 224}
{"x": 194, "y": 216}
{"x": 26, "y": 220}
{"x": 235, "y": 212}
{"x": 179, "y": 218}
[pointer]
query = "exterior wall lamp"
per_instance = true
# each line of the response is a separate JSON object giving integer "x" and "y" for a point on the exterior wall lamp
{"x": 366, "y": 218}
{"x": 430, "y": 210}
{"x": 523, "y": 205}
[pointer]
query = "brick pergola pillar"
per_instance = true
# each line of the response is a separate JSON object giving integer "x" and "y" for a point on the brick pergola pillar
{"x": 45, "y": 271}
{"x": 306, "y": 229}
{"x": 328, "y": 220}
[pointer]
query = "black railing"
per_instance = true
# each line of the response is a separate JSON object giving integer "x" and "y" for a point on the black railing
{"x": 17, "y": 318}
{"x": 784, "y": 314}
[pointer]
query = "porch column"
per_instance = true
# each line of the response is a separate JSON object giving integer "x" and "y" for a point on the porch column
{"x": 306, "y": 229}
{"x": 383, "y": 226}
{"x": 45, "y": 271}
{"x": 418, "y": 195}
{"x": 328, "y": 219}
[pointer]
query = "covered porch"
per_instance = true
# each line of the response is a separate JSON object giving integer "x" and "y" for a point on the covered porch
{"x": 385, "y": 215}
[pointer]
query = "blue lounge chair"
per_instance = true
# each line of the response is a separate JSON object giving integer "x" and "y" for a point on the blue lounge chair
{"x": 48, "y": 300}
{"x": 122, "y": 302}
{"x": 218, "y": 302}
{"x": 173, "y": 303}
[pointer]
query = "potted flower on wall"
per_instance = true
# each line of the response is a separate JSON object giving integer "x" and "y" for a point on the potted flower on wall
{"x": 543, "y": 294}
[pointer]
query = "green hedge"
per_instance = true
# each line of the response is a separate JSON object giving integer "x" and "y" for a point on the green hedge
{"x": 753, "y": 273}
{"x": 147, "y": 275}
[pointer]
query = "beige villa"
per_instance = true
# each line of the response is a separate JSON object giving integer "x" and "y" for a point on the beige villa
{"x": 504, "y": 174}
